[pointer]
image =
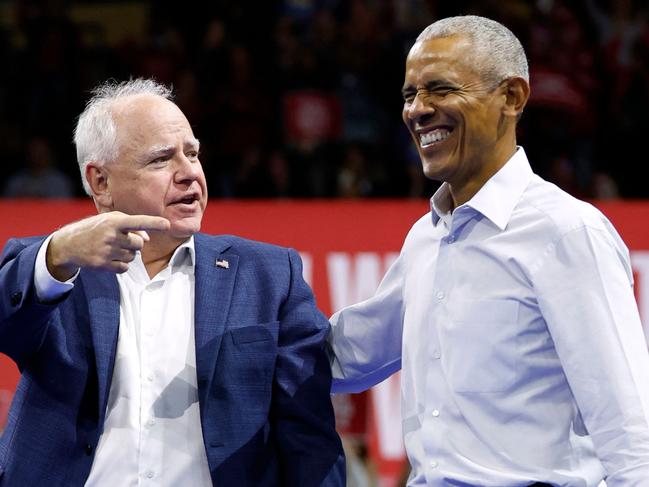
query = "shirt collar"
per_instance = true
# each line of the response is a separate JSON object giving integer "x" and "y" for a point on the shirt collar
{"x": 184, "y": 256}
{"x": 496, "y": 199}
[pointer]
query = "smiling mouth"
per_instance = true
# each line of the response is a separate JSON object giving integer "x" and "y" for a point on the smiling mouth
{"x": 428, "y": 139}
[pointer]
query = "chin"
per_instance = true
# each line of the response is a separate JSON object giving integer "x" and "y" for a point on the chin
{"x": 436, "y": 168}
{"x": 184, "y": 231}
{"x": 431, "y": 172}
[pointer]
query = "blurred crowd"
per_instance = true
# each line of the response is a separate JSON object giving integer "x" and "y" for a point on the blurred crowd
{"x": 301, "y": 98}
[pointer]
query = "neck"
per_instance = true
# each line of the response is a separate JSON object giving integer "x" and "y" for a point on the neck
{"x": 463, "y": 191}
{"x": 156, "y": 255}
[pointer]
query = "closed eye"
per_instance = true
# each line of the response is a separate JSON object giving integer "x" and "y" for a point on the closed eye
{"x": 409, "y": 96}
{"x": 443, "y": 90}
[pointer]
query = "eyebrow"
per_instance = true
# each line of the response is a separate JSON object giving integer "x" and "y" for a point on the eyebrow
{"x": 164, "y": 150}
{"x": 158, "y": 151}
{"x": 193, "y": 143}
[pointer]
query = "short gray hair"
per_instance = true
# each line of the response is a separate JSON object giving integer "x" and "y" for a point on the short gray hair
{"x": 497, "y": 53}
{"x": 95, "y": 135}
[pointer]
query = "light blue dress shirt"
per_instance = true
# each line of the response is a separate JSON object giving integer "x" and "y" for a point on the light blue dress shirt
{"x": 514, "y": 322}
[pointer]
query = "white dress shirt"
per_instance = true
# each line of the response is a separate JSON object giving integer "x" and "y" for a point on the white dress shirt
{"x": 514, "y": 322}
{"x": 152, "y": 433}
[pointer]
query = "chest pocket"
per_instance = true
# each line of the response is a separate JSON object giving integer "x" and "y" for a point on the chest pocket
{"x": 480, "y": 344}
{"x": 246, "y": 362}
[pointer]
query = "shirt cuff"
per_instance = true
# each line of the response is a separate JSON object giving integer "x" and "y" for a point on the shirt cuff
{"x": 47, "y": 287}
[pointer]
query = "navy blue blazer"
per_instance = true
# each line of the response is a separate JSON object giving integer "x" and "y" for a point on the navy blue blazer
{"x": 263, "y": 376}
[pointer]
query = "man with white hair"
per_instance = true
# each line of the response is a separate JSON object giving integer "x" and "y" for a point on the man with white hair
{"x": 152, "y": 354}
{"x": 510, "y": 310}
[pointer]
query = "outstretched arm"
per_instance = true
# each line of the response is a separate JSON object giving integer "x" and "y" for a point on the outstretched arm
{"x": 366, "y": 337}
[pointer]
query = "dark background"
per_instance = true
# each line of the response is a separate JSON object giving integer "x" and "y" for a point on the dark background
{"x": 240, "y": 69}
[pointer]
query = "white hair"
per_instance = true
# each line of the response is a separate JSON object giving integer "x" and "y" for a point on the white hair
{"x": 95, "y": 135}
{"x": 496, "y": 52}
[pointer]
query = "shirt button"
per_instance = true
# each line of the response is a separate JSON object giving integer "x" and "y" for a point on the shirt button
{"x": 437, "y": 354}
{"x": 450, "y": 239}
{"x": 440, "y": 295}
{"x": 433, "y": 464}
{"x": 151, "y": 422}
{"x": 149, "y": 377}
{"x": 149, "y": 474}
{"x": 435, "y": 412}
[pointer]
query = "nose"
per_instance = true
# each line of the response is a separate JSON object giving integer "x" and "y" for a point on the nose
{"x": 419, "y": 108}
{"x": 188, "y": 170}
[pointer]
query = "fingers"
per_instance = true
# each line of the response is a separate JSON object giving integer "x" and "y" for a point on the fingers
{"x": 132, "y": 234}
{"x": 132, "y": 240}
{"x": 121, "y": 258}
{"x": 143, "y": 234}
{"x": 128, "y": 223}
{"x": 117, "y": 267}
{"x": 107, "y": 241}
{"x": 123, "y": 255}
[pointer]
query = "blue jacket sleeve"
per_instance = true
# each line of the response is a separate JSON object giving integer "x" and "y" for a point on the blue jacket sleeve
{"x": 23, "y": 319}
{"x": 311, "y": 452}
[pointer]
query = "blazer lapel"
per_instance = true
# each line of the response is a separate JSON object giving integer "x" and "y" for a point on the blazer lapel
{"x": 102, "y": 293}
{"x": 215, "y": 275}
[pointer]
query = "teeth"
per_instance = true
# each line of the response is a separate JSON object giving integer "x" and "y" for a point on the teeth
{"x": 436, "y": 135}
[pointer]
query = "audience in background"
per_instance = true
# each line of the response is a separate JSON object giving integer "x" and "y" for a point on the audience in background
{"x": 300, "y": 99}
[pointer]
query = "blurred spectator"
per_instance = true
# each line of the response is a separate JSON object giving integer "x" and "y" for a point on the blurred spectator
{"x": 39, "y": 177}
{"x": 604, "y": 187}
{"x": 280, "y": 177}
{"x": 252, "y": 176}
{"x": 354, "y": 180}
{"x": 563, "y": 173}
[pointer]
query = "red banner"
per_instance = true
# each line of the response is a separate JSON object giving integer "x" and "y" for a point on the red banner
{"x": 346, "y": 247}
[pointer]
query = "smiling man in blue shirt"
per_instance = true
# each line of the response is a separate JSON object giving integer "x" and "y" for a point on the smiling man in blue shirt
{"x": 510, "y": 310}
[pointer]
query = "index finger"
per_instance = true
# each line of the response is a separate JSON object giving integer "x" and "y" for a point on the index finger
{"x": 144, "y": 222}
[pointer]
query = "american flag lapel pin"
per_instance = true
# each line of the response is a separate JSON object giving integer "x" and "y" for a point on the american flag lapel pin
{"x": 222, "y": 263}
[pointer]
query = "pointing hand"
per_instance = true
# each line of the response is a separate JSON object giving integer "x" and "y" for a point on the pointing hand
{"x": 107, "y": 241}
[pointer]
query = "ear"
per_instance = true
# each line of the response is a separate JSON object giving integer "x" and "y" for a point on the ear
{"x": 517, "y": 93}
{"x": 97, "y": 178}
